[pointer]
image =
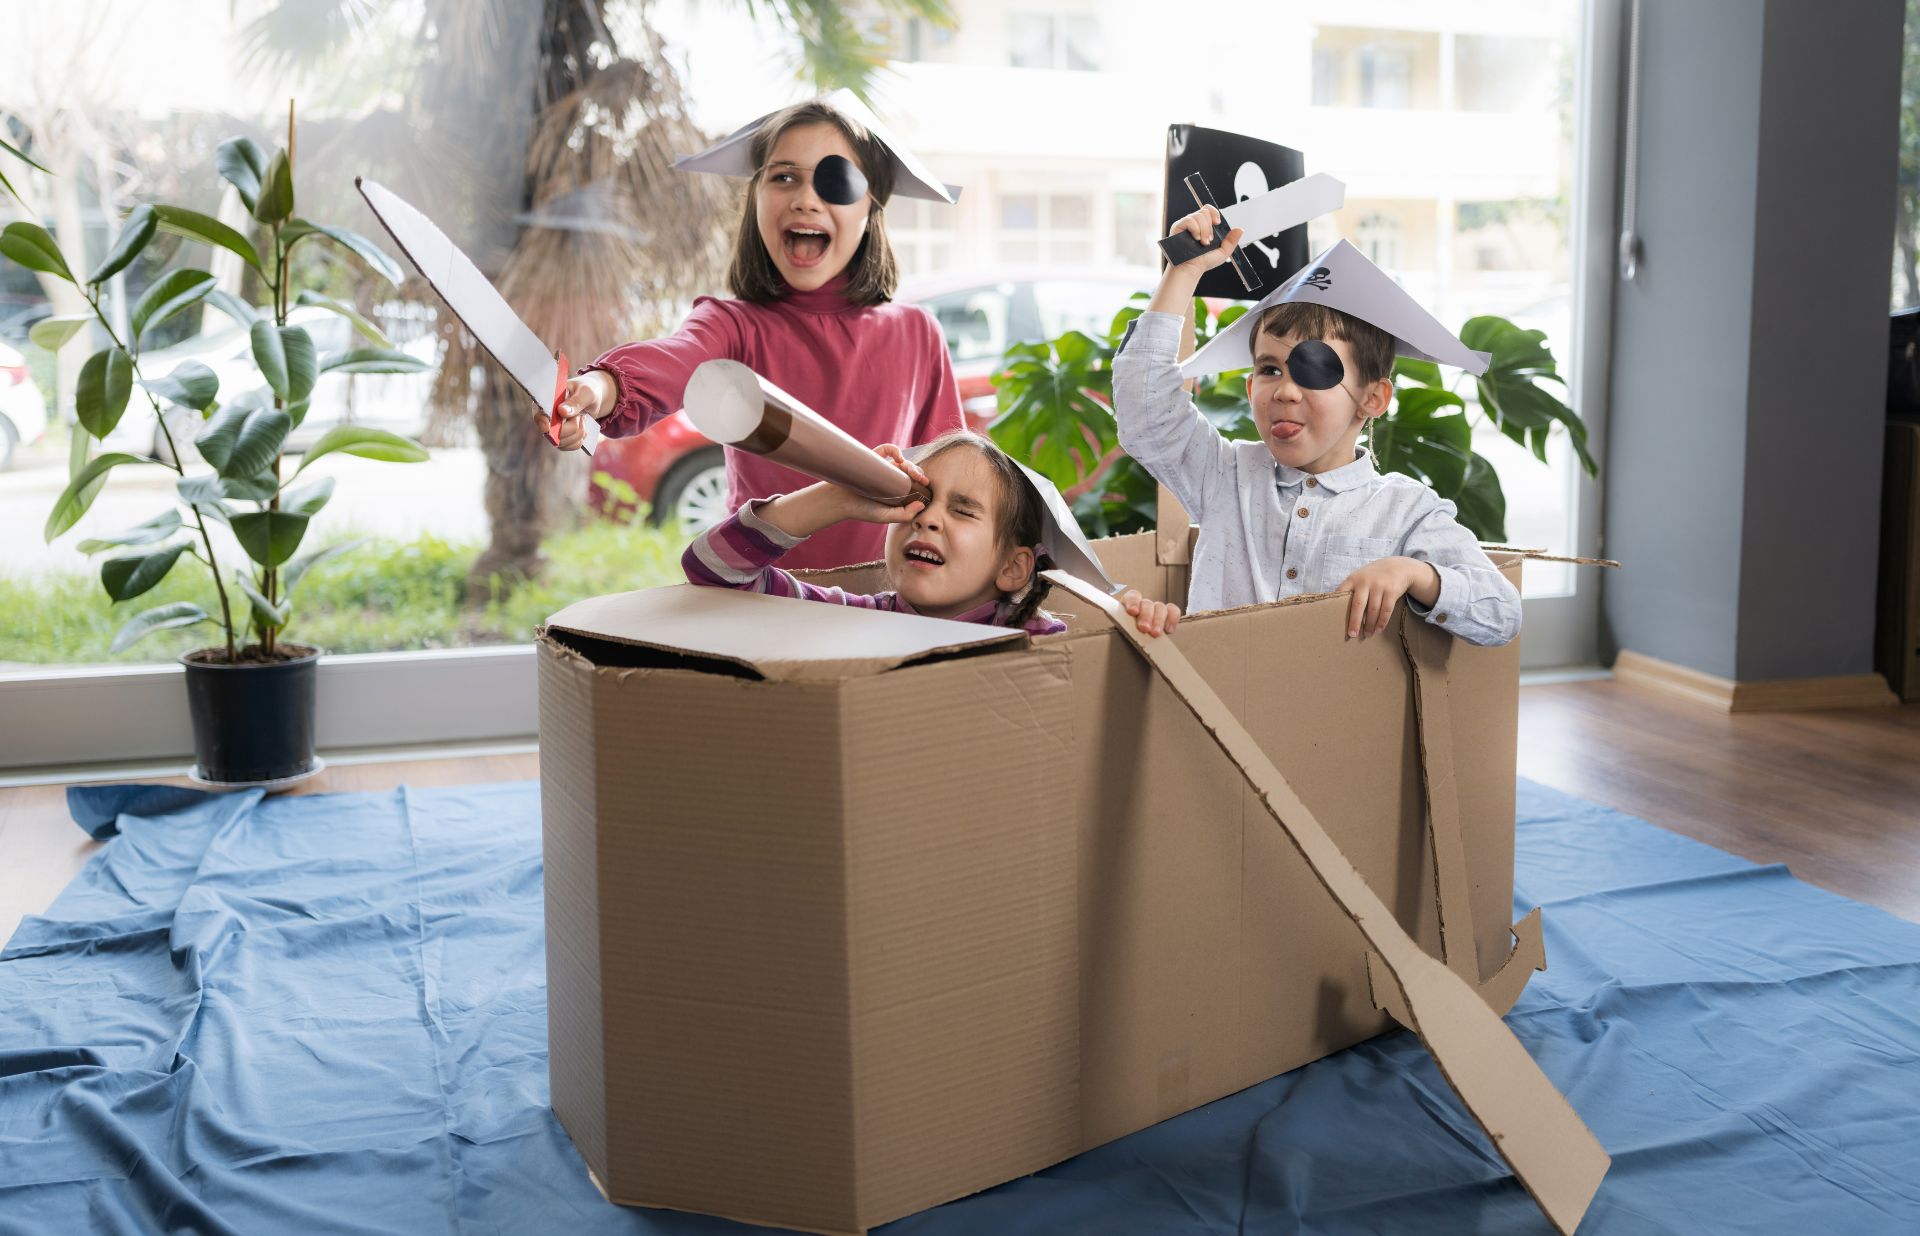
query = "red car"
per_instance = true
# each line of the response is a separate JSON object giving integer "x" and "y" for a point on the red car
{"x": 683, "y": 476}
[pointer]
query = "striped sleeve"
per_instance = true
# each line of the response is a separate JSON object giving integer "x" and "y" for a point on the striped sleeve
{"x": 740, "y": 552}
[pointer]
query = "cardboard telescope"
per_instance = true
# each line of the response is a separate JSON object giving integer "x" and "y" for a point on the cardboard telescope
{"x": 733, "y": 405}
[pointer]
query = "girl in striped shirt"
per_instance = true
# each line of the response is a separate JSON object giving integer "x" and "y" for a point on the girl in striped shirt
{"x": 973, "y": 554}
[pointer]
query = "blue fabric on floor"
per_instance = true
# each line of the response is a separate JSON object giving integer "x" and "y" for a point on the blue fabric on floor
{"x": 327, "y": 1014}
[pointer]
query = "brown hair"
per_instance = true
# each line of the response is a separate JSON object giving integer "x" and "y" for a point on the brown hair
{"x": 1372, "y": 347}
{"x": 1019, "y": 518}
{"x": 872, "y": 271}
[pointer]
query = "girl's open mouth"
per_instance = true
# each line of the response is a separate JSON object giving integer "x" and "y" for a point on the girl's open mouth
{"x": 922, "y": 555}
{"x": 805, "y": 246}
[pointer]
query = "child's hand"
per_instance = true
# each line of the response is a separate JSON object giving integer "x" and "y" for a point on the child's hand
{"x": 1378, "y": 586}
{"x": 860, "y": 507}
{"x": 1200, "y": 225}
{"x": 1154, "y": 618}
{"x": 591, "y": 394}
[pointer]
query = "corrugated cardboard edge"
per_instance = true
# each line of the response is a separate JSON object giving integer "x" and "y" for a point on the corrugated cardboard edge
{"x": 1551, "y": 1151}
{"x": 710, "y": 1214}
{"x": 778, "y": 670}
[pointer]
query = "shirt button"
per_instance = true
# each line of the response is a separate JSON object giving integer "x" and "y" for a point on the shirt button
{"x": 1293, "y": 572}
{"x": 1439, "y": 617}
{"x": 1312, "y": 482}
{"x": 1302, "y": 512}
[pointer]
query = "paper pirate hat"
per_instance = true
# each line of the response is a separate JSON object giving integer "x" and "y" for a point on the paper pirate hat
{"x": 1060, "y": 534}
{"x": 732, "y": 155}
{"x": 1342, "y": 278}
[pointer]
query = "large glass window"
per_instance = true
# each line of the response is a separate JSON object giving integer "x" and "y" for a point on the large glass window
{"x": 1455, "y": 144}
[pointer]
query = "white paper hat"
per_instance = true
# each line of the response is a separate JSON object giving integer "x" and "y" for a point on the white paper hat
{"x": 732, "y": 155}
{"x": 1060, "y": 534}
{"x": 1342, "y": 278}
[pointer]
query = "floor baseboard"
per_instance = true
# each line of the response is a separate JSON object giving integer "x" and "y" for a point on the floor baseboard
{"x": 1758, "y": 695}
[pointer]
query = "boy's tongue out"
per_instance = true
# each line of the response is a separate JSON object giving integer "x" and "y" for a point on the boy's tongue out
{"x": 805, "y": 246}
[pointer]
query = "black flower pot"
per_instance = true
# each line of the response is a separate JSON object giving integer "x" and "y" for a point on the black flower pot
{"x": 252, "y": 721}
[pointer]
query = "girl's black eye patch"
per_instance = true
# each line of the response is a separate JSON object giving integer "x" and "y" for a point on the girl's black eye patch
{"x": 838, "y": 181}
{"x": 1315, "y": 366}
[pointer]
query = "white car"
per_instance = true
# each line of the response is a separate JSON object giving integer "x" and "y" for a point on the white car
{"x": 23, "y": 412}
{"x": 392, "y": 401}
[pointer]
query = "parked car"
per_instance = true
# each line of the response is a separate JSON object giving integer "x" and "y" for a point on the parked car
{"x": 392, "y": 401}
{"x": 23, "y": 411}
{"x": 683, "y": 475}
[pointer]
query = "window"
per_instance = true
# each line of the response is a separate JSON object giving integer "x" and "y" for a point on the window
{"x": 1496, "y": 73}
{"x": 1053, "y": 41}
{"x": 1386, "y": 76}
{"x": 1328, "y": 65}
{"x": 1906, "y": 234}
{"x": 1378, "y": 236}
{"x": 924, "y": 235}
{"x": 1046, "y": 228}
{"x": 1136, "y": 226}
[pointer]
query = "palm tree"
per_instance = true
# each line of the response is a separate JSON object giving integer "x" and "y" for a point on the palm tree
{"x": 543, "y": 142}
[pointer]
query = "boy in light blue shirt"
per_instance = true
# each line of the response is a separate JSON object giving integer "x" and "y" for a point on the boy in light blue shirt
{"x": 1304, "y": 510}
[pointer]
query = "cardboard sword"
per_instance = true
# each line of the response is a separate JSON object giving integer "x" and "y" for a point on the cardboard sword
{"x": 1271, "y": 212}
{"x": 536, "y": 369}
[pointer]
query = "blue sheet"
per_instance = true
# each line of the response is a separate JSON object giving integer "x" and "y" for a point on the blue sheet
{"x": 326, "y": 1014}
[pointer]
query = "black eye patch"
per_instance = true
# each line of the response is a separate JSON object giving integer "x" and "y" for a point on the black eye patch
{"x": 838, "y": 181}
{"x": 1315, "y": 366}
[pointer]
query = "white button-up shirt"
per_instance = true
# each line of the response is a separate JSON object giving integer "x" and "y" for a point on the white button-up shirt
{"x": 1268, "y": 531}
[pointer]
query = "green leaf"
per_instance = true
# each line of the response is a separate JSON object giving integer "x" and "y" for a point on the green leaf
{"x": 259, "y": 488}
{"x": 208, "y": 231}
{"x": 175, "y": 291}
{"x": 1482, "y": 505}
{"x": 53, "y": 333}
{"x": 269, "y": 537}
{"x": 244, "y": 165}
{"x": 22, "y": 155}
{"x": 286, "y": 358}
{"x": 235, "y": 308}
{"x": 276, "y": 190}
{"x": 366, "y": 443}
{"x": 202, "y": 493}
{"x": 32, "y": 246}
{"x": 134, "y": 235}
{"x": 292, "y": 573}
{"x": 1418, "y": 372}
{"x": 190, "y": 385}
{"x": 178, "y": 614}
{"x": 265, "y": 613}
{"x": 78, "y": 495}
{"x": 100, "y": 396}
{"x": 242, "y": 441}
{"x": 127, "y": 577}
{"x": 159, "y": 528}
{"x": 308, "y": 499}
{"x": 373, "y": 360}
{"x": 360, "y": 322}
{"x": 373, "y": 255}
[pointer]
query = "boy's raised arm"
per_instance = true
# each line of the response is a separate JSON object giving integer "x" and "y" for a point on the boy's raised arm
{"x": 1158, "y": 423}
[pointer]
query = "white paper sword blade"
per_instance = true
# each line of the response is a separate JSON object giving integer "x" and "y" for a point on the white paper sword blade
{"x": 533, "y": 366}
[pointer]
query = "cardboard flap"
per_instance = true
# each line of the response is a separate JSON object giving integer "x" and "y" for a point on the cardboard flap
{"x": 778, "y": 638}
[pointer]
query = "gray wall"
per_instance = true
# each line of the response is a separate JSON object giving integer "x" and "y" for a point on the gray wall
{"x": 1742, "y": 475}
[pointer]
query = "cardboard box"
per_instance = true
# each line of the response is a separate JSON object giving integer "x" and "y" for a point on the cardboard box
{"x": 850, "y": 914}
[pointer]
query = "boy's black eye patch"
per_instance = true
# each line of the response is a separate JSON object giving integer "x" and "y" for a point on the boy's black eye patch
{"x": 1315, "y": 366}
{"x": 838, "y": 181}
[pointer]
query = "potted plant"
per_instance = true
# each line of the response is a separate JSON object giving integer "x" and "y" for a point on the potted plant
{"x": 251, "y": 696}
{"x": 1054, "y": 398}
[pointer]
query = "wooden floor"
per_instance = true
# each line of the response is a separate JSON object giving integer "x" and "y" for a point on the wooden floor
{"x": 1835, "y": 796}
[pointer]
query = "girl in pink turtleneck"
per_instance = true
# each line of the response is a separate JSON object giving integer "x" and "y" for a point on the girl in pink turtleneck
{"x": 812, "y": 282}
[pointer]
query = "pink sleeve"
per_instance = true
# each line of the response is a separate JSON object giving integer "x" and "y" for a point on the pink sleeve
{"x": 940, "y": 410}
{"x": 653, "y": 374}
